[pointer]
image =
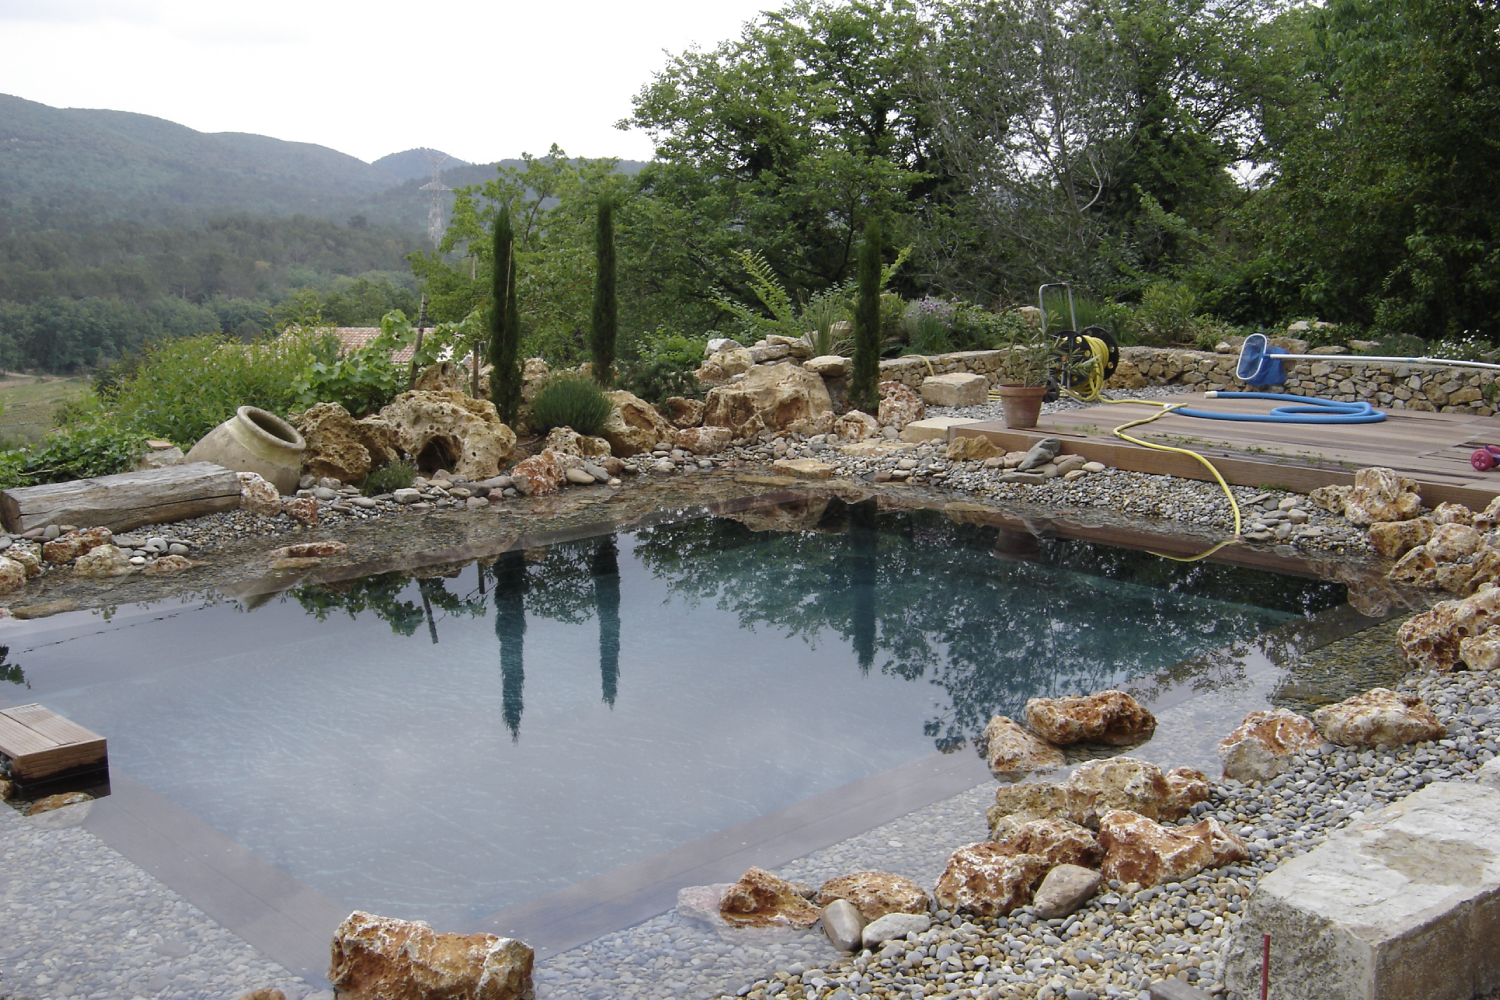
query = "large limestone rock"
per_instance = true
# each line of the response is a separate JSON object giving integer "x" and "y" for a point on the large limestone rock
{"x": 899, "y": 405}
{"x": 770, "y": 397}
{"x": 1098, "y": 787}
{"x": 828, "y": 366}
{"x": 103, "y": 561}
{"x": 380, "y": 958}
{"x": 1112, "y": 717}
{"x": 760, "y": 899}
{"x": 1453, "y": 542}
{"x": 567, "y": 441}
{"x": 342, "y": 447}
{"x": 1264, "y": 744}
{"x": 875, "y": 894}
{"x": 856, "y": 426}
{"x": 441, "y": 376}
{"x": 1379, "y": 717}
{"x": 1401, "y": 905}
{"x": 955, "y": 389}
{"x": 449, "y": 430}
{"x": 634, "y": 426}
{"x": 1059, "y": 841}
{"x": 733, "y": 361}
{"x": 12, "y": 575}
{"x": 1433, "y": 639}
{"x": 703, "y": 440}
{"x": 683, "y": 412}
{"x": 1381, "y": 495}
{"x": 1137, "y": 849}
{"x": 985, "y": 880}
{"x": 538, "y": 475}
{"x": 1393, "y": 539}
{"x": 1013, "y": 752}
{"x": 66, "y": 548}
{"x": 973, "y": 448}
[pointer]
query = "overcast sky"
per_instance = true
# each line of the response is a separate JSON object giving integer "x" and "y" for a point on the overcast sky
{"x": 479, "y": 80}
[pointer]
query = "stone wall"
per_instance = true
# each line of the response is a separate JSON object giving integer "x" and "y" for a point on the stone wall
{"x": 1339, "y": 377}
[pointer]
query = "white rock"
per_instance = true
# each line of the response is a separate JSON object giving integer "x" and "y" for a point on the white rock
{"x": 894, "y": 925}
{"x": 843, "y": 924}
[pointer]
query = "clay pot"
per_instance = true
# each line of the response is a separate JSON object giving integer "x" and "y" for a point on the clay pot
{"x": 1023, "y": 404}
{"x": 254, "y": 440}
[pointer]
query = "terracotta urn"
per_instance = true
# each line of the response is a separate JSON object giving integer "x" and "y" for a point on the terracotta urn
{"x": 1023, "y": 404}
{"x": 255, "y": 440}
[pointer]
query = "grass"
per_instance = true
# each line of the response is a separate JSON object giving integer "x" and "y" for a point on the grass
{"x": 31, "y": 402}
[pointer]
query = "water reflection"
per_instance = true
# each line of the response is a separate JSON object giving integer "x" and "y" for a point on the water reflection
{"x": 11, "y": 672}
{"x": 987, "y": 616}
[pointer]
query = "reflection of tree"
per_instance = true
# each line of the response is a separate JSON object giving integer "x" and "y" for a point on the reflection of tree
{"x": 510, "y": 629}
{"x": 989, "y": 629}
{"x": 606, "y": 571}
{"x": 11, "y": 671}
{"x": 381, "y": 594}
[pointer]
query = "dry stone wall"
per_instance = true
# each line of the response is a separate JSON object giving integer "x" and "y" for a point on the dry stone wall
{"x": 1339, "y": 377}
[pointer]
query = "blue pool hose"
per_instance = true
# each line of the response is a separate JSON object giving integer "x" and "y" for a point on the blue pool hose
{"x": 1304, "y": 410}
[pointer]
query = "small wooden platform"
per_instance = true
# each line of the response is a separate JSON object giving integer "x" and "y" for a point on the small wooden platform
{"x": 1431, "y": 448}
{"x": 44, "y": 747}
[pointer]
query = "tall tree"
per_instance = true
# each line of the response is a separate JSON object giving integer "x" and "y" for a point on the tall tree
{"x": 505, "y": 322}
{"x": 606, "y": 574}
{"x": 864, "y": 380}
{"x": 605, "y": 322}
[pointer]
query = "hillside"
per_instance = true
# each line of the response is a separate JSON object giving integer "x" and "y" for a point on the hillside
{"x": 413, "y": 164}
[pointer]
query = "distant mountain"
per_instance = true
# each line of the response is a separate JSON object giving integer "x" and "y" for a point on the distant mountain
{"x": 413, "y": 164}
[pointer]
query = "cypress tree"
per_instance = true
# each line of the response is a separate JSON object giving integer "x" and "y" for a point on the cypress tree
{"x": 605, "y": 324}
{"x": 505, "y": 323}
{"x": 864, "y": 380}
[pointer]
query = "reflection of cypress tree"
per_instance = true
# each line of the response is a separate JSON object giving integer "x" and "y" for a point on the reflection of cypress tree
{"x": 606, "y": 573}
{"x": 863, "y": 539}
{"x": 510, "y": 629}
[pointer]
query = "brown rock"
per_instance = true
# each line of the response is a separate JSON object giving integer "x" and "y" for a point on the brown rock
{"x": 264, "y": 994}
{"x": 12, "y": 575}
{"x": 683, "y": 413}
{"x": 1381, "y": 495}
{"x": 66, "y": 548}
{"x": 380, "y": 958}
{"x": 1449, "y": 512}
{"x": 1379, "y": 717}
{"x": 1112, "y": 717}
{"x": 856, "y": 426}
{"x": 52, "y": 802}
{"x": 1331, "y": 498}
{"x": 305, "y": 549}
{"x": 1414, "y": 568}
{"x": 1431, "y": 640}
{"x": 537, "y": 475}
{"x": 828, "y": 366}
{"x": 1097, "y": 787}
{"x": 443, "y": 376}
{"x": 984, "y": 880}
{"x": 803, "y": 468}
{"x": 449, "y": 430}
{"x": 770, "y": 397}
{"x": 1127, "y": 376}
{"x": 334, "y": 443}
{"x": 973, "y": 448}
{"x": 899, "y": 405}
{"x": 103, "y": 561}
{"x": 567, "y": 441}
{"x": 1263, "y": 745}
{"x": 1453, "y": 542}
{"x": 1487, "y": 519}
{"x": 1480, "y": 652}
{"x": 30, "y": 560}
{"x": 258, "y": 496}
{"x": 1059, "y": 841}
{"x": 634, "y": 426}
{"x": 1138, "y": 849}
{"x": 1064, "y": 890}
{"x": 760, "y": 899}
{"x": 733, "y": 361}
{"x": 703, "y": 440}
{"x": 303, "y": 510}
{"x": 875, "y": 894}
{"x": 7, "y": 790}
{"x": 167, "y": 566}
{"x": 1013, "y": 752}
{"x": 1394, "y": 539}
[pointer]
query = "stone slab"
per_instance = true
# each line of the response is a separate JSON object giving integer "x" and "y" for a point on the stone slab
{"x": 932, "y": 428}
{"x": 955, "y": 389}
{"x": 1402, "y": 905}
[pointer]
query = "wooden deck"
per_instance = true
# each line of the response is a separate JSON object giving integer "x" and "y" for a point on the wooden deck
{"x": 43, "y": 746}
{"x": 1431, "y": 448}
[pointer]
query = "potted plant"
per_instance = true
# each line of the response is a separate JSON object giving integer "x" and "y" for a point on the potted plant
{"x": 1030, "y": 355}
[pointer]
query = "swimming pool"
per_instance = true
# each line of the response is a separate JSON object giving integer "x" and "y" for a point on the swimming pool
{"x": 442, "y": 747}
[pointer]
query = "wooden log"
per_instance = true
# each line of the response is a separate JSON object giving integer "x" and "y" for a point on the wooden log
{"x": 42, "y": 744}
{"x": 129, "y": 500}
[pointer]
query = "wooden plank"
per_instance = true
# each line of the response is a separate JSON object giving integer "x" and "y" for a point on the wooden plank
{"x": 42, "y": 744}
{"x": 129, "y": 500}
{"x": 18, "y": 741}
{"x": 51, "y": 725}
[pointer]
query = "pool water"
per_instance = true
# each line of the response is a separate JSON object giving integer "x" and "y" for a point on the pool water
{"x": 443, "y": 747}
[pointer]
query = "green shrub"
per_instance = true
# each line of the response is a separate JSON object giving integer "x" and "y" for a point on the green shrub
{"x": 102, "y": 448}
{"x": 570, "y": 401}
{"x": 1166, "y": 315}
{"x": 664, "y": 367}
{"x": 397, "y": 475}
{"x": 365, "y": 379}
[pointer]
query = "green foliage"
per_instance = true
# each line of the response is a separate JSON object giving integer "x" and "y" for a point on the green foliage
{"x": 103, "y": 448}
{"x": 768, "y": 290}
{"x": 364, "y": 380}
{"x": 605, "y": 322}
{"x": 504, "y": 321}
{"x": 864, "y": 389}
{"x": 1033, "y": 354}
{"x": 397, "y": 475}
{"x": 184, "y": 388}
{"x": 928, "y": 324}
{"x": 664, "y": 366}
{"x": 822, "y": 316}
{"x": 1166, "y": 315}
{"x": 570, "y": 401}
